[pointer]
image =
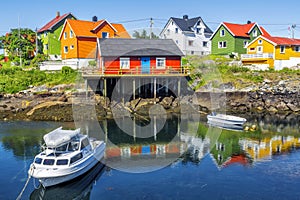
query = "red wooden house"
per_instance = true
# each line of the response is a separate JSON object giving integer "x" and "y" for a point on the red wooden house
{"x": 138, "y": 56}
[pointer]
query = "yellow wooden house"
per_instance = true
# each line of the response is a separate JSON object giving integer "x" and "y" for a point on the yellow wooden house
{"x": 272, "y": 52}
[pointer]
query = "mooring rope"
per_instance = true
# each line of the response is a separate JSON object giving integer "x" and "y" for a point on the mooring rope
{"x": 21, "y": 193}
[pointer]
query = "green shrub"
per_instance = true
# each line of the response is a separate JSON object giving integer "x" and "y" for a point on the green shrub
{"x": 66, "y": 70}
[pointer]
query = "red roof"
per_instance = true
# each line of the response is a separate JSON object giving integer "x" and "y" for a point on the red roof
{"x": 242, "y": 30}
{"x": 53, "y": 22}
{"x": 283, "y": 40}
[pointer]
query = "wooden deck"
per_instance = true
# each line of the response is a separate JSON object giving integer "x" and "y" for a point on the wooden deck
{"x": 89, "y": 73}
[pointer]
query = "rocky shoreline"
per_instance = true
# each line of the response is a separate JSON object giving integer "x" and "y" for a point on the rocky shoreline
{"x": 57, "y": 103}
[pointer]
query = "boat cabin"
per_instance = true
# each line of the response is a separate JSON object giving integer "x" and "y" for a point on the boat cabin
{"x": 63, "y": 148}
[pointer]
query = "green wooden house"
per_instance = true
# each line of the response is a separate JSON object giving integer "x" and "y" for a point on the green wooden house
{"x": 232, "y": 39}
{"x": 49, "y": 35}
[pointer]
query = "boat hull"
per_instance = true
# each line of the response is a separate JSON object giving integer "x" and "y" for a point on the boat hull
{"x": 226, "y": 120}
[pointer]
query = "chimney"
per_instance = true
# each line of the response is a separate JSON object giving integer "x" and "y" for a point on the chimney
{"x": 249, "y": 22}
{"x": 95, "y": 19}
{"x": 57, "y": 14}
{"x": 185, "y": 17}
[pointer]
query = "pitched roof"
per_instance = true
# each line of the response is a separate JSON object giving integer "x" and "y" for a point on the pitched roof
{"x": 188, "y": 24}
{"x": 53, "y": 22}
{"x": 243, "y": 30}
{"x": 121, "y": 31}
{"x": 83, "y": 28}
{"x": 138, "y": 47}
{"x": 283, "y": 40}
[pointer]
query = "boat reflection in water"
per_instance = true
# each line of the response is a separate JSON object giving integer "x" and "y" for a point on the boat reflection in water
{"x": 79, "y": 188}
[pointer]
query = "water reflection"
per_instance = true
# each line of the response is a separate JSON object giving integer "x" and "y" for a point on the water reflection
{"x": 77, "y": 189}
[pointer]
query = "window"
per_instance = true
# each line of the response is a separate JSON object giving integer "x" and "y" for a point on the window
{"x": 38, "y": 160}
{"x": 245, "y": 43}
{"x": 176, "y": 41}
{"x": 65, "y": 35}
{"x": 297, "y": 48}
{"x": 192, "y": 52}
{"x": 48, "y": 162}
{"x": 260, "y": 42}
{"x": 62, "y": 162}
{"x": 160, "y": 63}
{"x": 204, "y": 44}
{"x": 254, "y": 34}
{"x": 71, "y": 34}
{"x": 176, "y": 30}
{"x": 105, "y": 34}
{"x": 222, "y": 44}
{"x": 46, "y": 34}
{"x": 282, "y": 49}
{"x": 72, "y": 47}
{"x": 198, "y": 30}
{"x": 62, "y": 148}
{"x": 76, "y": 158}
{"x": 124, "y": 63}
{"x": 84, "y": 143}
{"x": 46, "y": 47}
{"x": 222, "y": 33}
{"x": 66, "y": 49}
{"x": 190, "y": 42}
{"x": 252, "y": 49}
{"x": 259, "y": 49}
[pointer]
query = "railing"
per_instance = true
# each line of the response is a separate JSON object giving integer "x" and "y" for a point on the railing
{"x": 257, "y": 56}
{"x": 137, "y": 71}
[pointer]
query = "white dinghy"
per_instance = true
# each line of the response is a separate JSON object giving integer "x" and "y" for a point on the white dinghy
{"x": 67, "y": 154}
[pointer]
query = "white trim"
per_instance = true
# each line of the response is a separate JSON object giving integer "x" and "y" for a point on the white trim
{"x": 255, "y": 24}
{"x": 66, "y": 48}
{"x": 104, "y": 20}
{"x": 127, "y": 60}
{"x": 218, "y": 30}
{"x": 164, "y": 63}
{"x": 64, "y": 27}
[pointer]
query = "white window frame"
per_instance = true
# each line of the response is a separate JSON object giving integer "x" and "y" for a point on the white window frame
{"x": 160, "y": 63}
{"x": 66, "y": 49}
{"x": 107, "y": 34}
{"x": 205, "y": 44}
{"x": 282, "y": 49}
{"x": 297, "y": 48}
{"x": 260, "y": 49}
{"x": 65, "y": 35}
{"x": 124, "y": 63}
{"x": 254, "y": 34}
{"x": 71, "y": 34}
{"x": 222, "y": 33}
{"x": 176, "y": 30}
{"x": 246, "y": 43}
{"x": 260, "y": 41}
{"x": 191, "y": 43}
{"x": 222, "y": 44}
{"x": 72, "y": 46}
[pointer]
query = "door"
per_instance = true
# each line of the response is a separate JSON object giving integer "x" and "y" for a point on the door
{"x": 145, "y": 63}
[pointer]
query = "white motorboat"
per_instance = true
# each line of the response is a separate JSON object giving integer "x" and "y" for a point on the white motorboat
{"x": 67, "y": 154}
{"x": 226, "y": 120}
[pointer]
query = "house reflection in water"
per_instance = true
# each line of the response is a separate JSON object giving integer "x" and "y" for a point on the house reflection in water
{"x": 267, "y": 147}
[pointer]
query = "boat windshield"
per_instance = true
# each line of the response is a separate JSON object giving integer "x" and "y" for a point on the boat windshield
{"x": 73, "y": 146}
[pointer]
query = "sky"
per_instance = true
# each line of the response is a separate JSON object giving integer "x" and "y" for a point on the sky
{"x": 274, "y": 15}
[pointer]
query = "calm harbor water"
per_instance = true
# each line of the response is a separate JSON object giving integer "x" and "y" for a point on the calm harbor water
{"x": 184, "y": 160}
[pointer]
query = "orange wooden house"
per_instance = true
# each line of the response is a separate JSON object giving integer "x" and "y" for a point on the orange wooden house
{"x": 79, "y": 39}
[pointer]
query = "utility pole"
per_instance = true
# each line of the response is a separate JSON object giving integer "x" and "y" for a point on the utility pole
{"x": 293, "y": 30}
{"x": 151, "y": 24}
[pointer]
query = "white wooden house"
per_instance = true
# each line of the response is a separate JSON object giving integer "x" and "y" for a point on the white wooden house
{"x": 191, "y": 35}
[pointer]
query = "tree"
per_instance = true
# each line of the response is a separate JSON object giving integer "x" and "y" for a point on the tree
{"x": 19, "y": 42}
{"x": 144, "y": 35}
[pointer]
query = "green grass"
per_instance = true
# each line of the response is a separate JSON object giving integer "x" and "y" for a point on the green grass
{"x": 217, "y": 70}
{"x": 15, "y": 79}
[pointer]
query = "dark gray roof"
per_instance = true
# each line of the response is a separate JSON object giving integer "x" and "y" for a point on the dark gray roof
{"x": 138, "y": 47}
{"x": 187, "y": 24}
